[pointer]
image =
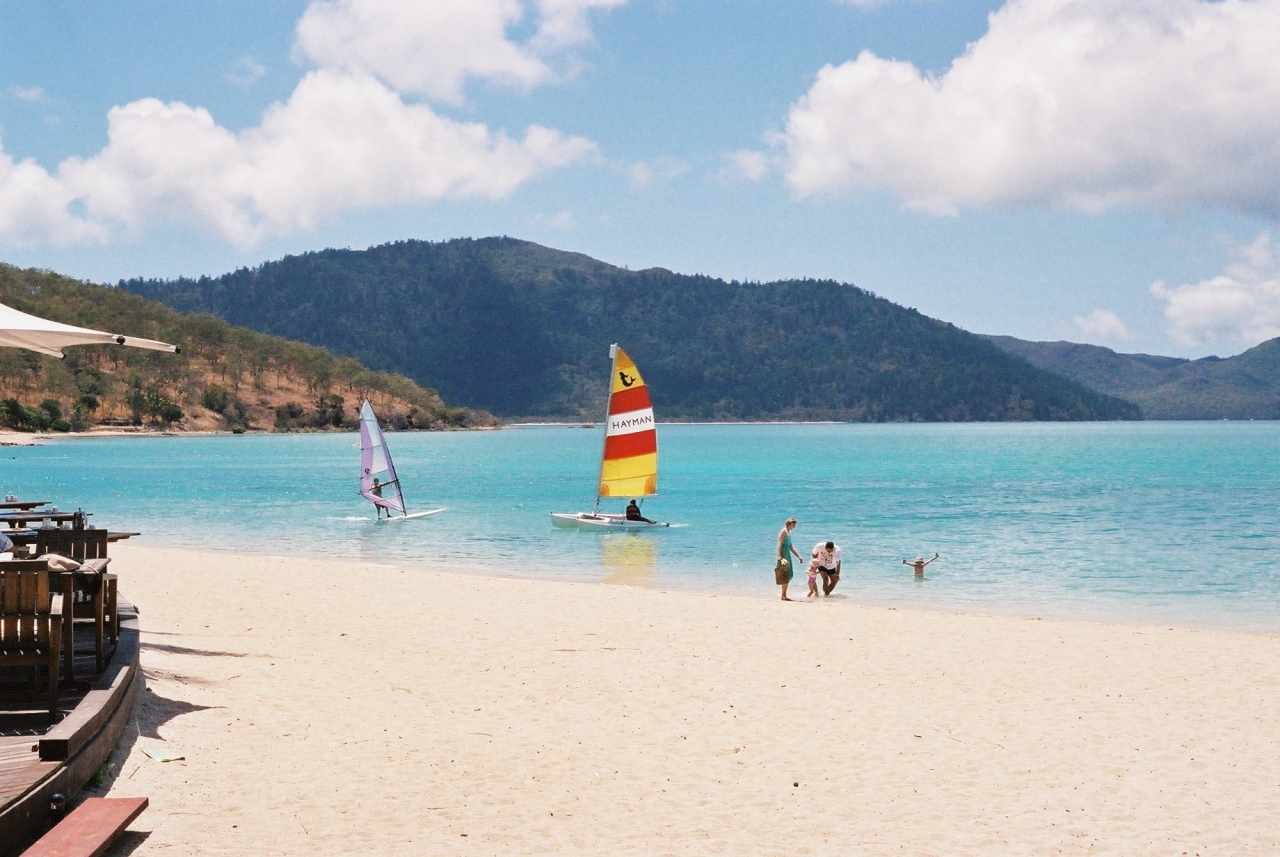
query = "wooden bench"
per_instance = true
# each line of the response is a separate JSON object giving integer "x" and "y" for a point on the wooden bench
{"x": 30, "y": 621}
{"x": 90, "y": 828}
{"x": 77, "y": 544}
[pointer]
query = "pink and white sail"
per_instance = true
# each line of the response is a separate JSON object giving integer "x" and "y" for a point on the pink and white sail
{"x": 378, "y": 481}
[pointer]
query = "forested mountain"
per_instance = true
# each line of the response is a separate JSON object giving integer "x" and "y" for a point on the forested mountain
{"x": 226, "y": 377}
{"x": 523, "y": 331}
{"x": 1243, "y": 387}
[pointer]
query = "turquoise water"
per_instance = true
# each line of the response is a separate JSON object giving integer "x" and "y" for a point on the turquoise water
{"x": 1149, "y": 522}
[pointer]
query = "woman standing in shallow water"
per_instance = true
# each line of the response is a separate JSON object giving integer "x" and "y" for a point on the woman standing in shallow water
{"x": 783, "y": 571}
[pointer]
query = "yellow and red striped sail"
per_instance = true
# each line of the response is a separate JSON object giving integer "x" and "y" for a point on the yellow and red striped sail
{"x": 630, "y": 465}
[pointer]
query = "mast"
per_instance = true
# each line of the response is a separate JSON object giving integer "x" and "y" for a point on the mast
{"x": 613, "y": 367}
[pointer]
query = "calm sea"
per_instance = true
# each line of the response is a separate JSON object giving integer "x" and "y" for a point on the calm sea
{"x": 1146, "y": 522}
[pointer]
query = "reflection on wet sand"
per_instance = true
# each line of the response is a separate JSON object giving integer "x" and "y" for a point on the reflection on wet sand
{"x": 630, "y": 559}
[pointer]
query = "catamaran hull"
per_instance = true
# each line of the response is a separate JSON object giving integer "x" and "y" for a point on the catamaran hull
{"x": 411, "y": 516}
{"x": 587, "y": 521}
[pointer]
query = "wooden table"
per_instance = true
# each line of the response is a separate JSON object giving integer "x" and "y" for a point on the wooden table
{"x": 16, "y": 520}
{"x": 22, "y": 505}
{"x": 28, "y": 536}
{"x": 100, "y": 607}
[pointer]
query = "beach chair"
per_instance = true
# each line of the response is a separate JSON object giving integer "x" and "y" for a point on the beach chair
{"x": 77, "y": 544}
{"x": 31, "y": 622}
{"x": 96, "y": 598}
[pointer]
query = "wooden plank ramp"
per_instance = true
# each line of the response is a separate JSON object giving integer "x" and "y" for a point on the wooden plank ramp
{"x": 90, "y": 829}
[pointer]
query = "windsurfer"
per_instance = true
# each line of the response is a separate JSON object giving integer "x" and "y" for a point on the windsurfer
{"x": 376, "y": 490}
{"x": 633, "y": 513}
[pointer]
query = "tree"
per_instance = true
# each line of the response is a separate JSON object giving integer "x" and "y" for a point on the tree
{"x": 330, "y": 411}
{"x": 215, "y": 398}
{"x": 94, "y": 382}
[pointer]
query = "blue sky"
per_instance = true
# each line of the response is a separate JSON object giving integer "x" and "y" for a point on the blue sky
{"x": 1052, "y": 169}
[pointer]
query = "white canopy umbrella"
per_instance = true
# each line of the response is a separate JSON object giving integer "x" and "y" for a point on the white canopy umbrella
{"x": 20, "y": 330}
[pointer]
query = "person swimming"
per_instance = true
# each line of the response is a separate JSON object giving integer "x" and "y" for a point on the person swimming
{"x": 919, "y": 564}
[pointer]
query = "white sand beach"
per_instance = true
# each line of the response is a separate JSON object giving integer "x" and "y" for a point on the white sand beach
{"x": 331, "y": 708}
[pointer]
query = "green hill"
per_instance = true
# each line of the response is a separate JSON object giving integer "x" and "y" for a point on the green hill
{"x": 228, "y": 378}
{"x": 523, "y": 330}
{"x": 1243, "y": 387}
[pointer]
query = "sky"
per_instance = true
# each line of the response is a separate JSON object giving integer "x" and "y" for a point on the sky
{"x": 1103, "y": 171}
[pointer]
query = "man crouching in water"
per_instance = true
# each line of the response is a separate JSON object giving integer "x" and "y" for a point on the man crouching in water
{"x": 827, "y": 555}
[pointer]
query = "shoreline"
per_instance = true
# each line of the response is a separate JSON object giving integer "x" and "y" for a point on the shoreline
{"x": 362, "y": 708}
{"x": 847, "y": 597}
{"x": 18, "y": 438}
{"x": 8, "y": 437}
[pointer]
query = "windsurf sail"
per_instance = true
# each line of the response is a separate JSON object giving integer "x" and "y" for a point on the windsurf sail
{"x": 629, "y": 466}
{"x": 378, "y": 481}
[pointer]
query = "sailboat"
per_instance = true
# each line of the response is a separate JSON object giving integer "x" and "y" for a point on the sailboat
{"x": 629, "y": 461}
{"x": 378, "y": 481}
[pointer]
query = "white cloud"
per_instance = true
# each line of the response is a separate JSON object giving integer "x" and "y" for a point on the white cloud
{"x": 744, "y": 164}
{"x": 1239, "y": 307}
{"x": 29, "y": 94}
{"x": 432, "y": 48}
{"x": 425, "y": 48}
{"x": 341, "y": 141}
{"x": 245, "y": 72}
{"x": 564, "y": 22}
{"x": 1079, "y": 104}
{"x": 1102, "y": 324}
{"x": 345, "y": 138}
{"x": 34, "y": 208}
{"x": 647, "y": 173}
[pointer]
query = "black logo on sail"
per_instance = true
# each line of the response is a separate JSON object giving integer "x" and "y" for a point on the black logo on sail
{"x": 626, "y": 381}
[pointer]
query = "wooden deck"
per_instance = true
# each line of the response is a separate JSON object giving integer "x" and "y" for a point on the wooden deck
{"x": 20, "y": 768}
{"x": 38, "y": 760}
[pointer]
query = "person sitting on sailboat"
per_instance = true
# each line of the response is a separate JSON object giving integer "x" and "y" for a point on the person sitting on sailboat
{"x": 633, "y": 513}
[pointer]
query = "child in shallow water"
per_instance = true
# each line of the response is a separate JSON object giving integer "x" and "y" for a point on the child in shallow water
{"x": 813, "y": 578}
{"x": 920, "y": 563}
